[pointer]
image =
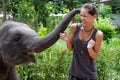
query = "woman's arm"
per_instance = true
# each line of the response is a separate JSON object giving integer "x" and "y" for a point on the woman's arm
{"x": 94, "y": 47}
{"x": 69, "y": 38}
{"x": 72, "y": 31}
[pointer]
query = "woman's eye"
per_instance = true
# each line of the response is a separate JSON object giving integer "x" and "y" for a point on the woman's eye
{"x": 85, "y": 16}
{"x": 81, "y": 15}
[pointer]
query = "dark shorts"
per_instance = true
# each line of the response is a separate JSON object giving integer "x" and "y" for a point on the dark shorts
{"x": 71, "y": 77}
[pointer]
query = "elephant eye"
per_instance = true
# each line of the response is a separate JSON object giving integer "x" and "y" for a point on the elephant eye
{"x": 17, "y": 38}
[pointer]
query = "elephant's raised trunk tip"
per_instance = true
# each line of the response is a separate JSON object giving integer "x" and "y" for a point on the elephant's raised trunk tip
{"x": 76, "y": 10}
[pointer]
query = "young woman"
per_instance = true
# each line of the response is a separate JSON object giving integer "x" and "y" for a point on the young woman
{"x": 85, "y": 41}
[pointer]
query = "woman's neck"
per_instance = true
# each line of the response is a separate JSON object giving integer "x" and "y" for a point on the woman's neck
{"x": 88, "y": 28}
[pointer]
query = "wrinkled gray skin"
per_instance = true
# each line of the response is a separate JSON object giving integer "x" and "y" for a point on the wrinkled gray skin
{"x": 18, "y": 42}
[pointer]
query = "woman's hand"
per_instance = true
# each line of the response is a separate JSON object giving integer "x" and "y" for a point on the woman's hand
{"x": 64, "y": 36}
{"x": 91, "y": 44}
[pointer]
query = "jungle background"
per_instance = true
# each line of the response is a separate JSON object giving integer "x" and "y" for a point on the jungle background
{"x": 44, "y": 15}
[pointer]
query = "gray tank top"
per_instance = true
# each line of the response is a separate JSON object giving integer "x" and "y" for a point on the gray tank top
{"x": 82, "y": 65}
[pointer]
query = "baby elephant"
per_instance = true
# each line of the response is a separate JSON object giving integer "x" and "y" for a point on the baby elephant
{"x": 18, "y": 42}
{"x": 16, "y": 47}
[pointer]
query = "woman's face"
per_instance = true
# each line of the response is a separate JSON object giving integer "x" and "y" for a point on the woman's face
{"x": 86, "y": 18}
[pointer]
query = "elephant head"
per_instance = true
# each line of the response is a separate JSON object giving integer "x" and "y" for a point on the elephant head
{"x": 18, "y": 41}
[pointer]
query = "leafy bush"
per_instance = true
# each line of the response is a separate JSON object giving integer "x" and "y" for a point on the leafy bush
{"x": 52, "y": 22}
{"x": 106, "y": 27}
{"x": 42, "y": 31}
{"x": 104, "y": 10}
{"x": 27, "y": 14}
{"x": 108, "y": 60}
{"x": 117, "y": 7}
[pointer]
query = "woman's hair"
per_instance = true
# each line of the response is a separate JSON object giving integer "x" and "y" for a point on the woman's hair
{"x": 92, "y": 8}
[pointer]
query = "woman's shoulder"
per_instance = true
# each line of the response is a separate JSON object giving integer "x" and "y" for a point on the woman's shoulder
{"x": 99, "y": 34}
{"x": 75, "y": 25}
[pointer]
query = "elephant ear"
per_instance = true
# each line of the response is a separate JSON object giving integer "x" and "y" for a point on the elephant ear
{"x": 48, "y": 40}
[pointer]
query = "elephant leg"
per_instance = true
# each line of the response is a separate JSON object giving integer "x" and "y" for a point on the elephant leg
{"x": 12, "y": 74}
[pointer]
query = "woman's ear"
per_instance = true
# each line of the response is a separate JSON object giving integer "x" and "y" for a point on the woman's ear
{"x": 95, "y": 15}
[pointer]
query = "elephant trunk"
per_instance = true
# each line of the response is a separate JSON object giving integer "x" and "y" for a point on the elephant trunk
{"x": 48, "y": 40}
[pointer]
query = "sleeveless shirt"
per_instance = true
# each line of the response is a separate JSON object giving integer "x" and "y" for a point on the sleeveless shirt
{"x": 82, "y": 65}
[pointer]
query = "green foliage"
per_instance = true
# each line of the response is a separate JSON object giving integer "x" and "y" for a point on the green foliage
{"x": 27, "y": 14}
{"x": 40, "y": 7}
{"x": 42, "y": 31}
{"x": 104, "y": 10}
{"x": 21, "y": 10}
{"x": 117, "y": 8}
{"x": 63, "y": 6}
{"x": 108, "y": 60}
{"x": 77, "y": 18}
{"x": 106, "y": 27}
{"x": 34, "y": 11}
{"x": 52, "y": 22}
{"x": 12, "y": 6}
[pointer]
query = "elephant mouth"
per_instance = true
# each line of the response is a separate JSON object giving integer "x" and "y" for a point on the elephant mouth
{"x": 30, "y": 52}
{"x": 28, "y": 56}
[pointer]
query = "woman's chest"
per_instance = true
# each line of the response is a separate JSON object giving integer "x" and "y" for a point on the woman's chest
{"x": 78, "y": 42}
{"x": 84, "y": 36}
